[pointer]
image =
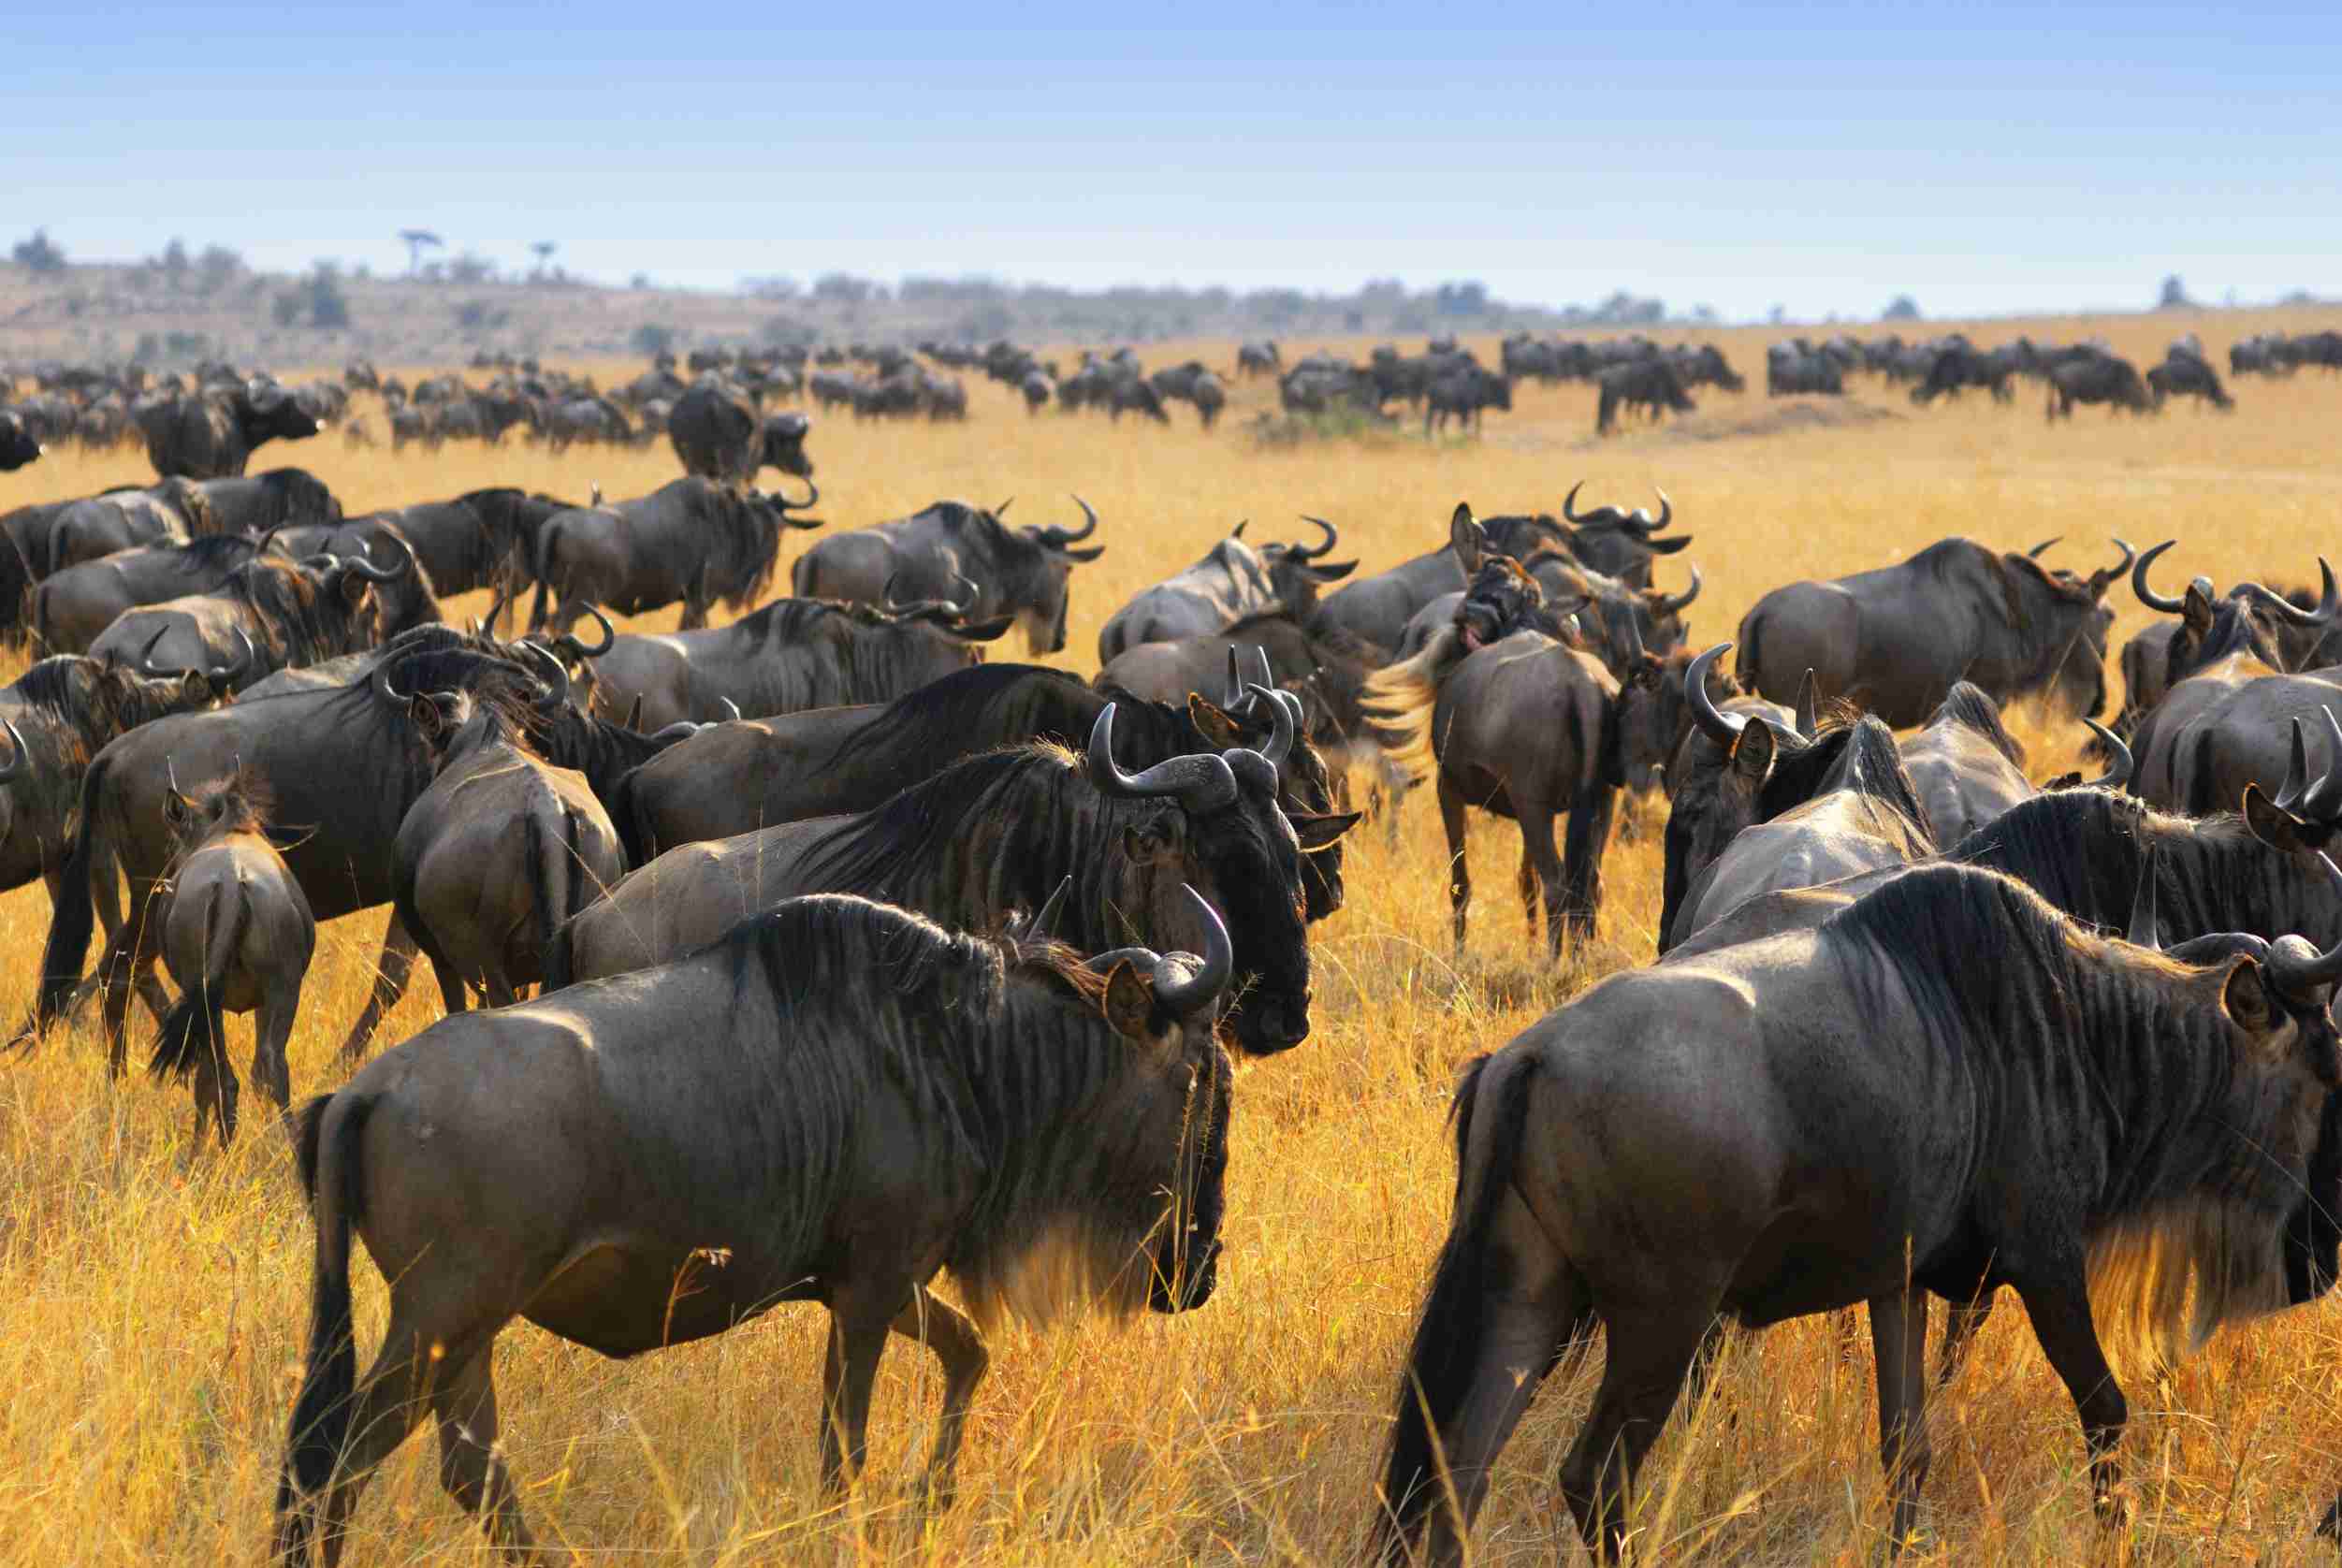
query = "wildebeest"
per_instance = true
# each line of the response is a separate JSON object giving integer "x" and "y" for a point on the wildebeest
{"x": 1654, "y": 385}
{"x": 1615, "y": 541}
{"x": 791, "y": 655}
{"x": 1964, "y": 765}
{"x": 2097, "y": 1126}
{"x": 1892, "y": 640}
{"x": 1022, "y": 572}
{"x": 481, "y": 539}
{"x": 255, "y": 503}
{"x": 2097, "y": 378}
{"x": 499, "y": 851}
{"x": 71, "y": 608}
{"x": 2187, "y": 375}
{"x": 171, "y": 512}
{"x": 211, "y": 434}
{"x": 1955, "y": 365}
{"x": 690, "y": 540}
{"x": 267, "y": 614}
{"x": 1790, "y": 371}
{"x": 237, "y": 936}
{"x": 1376, "y": 609}
{"x": 1462, "y": 392}
{"x": 765, "y": 1126}
{"x": 996, "y": 832}
{"x": 718, "y": 434}
{"x": 1520, "y": 725}
{"x": 1256, "y": 359}
{"x": 19, "y": 446}
{"x": 1233, "y": 581}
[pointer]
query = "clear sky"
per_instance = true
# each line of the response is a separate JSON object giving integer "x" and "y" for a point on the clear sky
{"x": 1987, "y": 158}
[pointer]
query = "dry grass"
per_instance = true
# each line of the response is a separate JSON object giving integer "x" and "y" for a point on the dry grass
{"x": 153, "y": 1301}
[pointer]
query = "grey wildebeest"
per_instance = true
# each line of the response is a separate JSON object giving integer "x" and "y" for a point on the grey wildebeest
{"x": 1892, "y": 640}
{"x": 1022, "y": 572}
{"x": 281, "y": 497}
{"x": 2183, "y": 374}
{"x": 18, "y": 446}
{"x": 1376, "y": 609}
{"x": 501, "y": 850}
{"x": 93, "y": 526}
{"x": 1328, "y": 663}
{"x": 766, "y": 1124}
{"x": 997, "y": 833}
{"x": 2099, "y": 1126}
{"x": 1654, "y": 385}
{"x": 1520, "y": 724}
{"x": 1964, "y": 765}
{"x": 2097, "y": 378}
{"x": 211, "y": 434}
{"x": 1233, "y": 581}
{"x": 791, "y": 655}
{"x": 1615, "y": 541}
{"x": 734, "y": 778}
{"x": 73, "y": 607}
{"x": 268, "y": 614}
{"x": 237, "y": 936}
{"x": 481, "y": 539}
{"x": 691, "y": 541}
{"x": 1463, "y": 392}
{"x": 719, "y": 434}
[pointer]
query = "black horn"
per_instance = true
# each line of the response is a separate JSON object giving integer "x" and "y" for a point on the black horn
{"x": 2285, "y": 609}
{"x": 1569, "y": 502}
{"x": 568, "y": 641}
{"x": 1717, "y": 726}
{"x": 1199, "y": 782}
{"x": 20, "y": 757}
{"x": 2035, "y": 552}
{"x": 2118, "y": 759}
{"x": 1333, "y": 536}
{"x": 2143, "y": 930}
{"x": 556, "y": 678}
{"x": 372, "y": 574}
{"x": 2147, "y": 596}
{"x": 1200, "y": 989}
{"x": 1281, "y": 726}
{"x": 1676, "y": 604}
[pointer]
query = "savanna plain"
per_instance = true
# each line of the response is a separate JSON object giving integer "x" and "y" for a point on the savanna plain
{"x": 153, "y": 1296}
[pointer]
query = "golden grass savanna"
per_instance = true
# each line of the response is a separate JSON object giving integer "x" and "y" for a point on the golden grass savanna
{"x": 153, "y": 1297}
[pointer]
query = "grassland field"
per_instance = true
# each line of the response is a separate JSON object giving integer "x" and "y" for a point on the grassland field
{"x": 153, "y": 1297}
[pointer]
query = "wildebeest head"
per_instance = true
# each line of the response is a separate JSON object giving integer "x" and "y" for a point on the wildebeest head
{"x": 2061, "y": 621}
{"x": 266, "y": 410}
{"x": 784, "y": 443}
{"x": 1222, "y": 830}
{"x": 1297, "y": 572}
{"x": 1244, "y": 718}
{"x": 18, "y": 446}
{"x": 237, "y": 803}
{"x": 1714, "y": 790}
{"x": 1042, "y": 569}
{"x": 2248, "y": 619}
{"x": 1655, "y": 715}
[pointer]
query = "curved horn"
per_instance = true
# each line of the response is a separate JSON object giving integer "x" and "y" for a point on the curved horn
{"x": 2118, "y": 760}
{"x": 384, "y": 689}
{"x": 1676, "y": 604}
{"x": 1235, "y": 688}
{"x": 1056, "y": 538}
{"x": 2106, "y": 575}
{"x": 2147, "y": 596}
{"x": 2034, "y": 553}
{"x": 732, "y": 709}
{"x": 2143, "y": 933}
{"x": 1809, "y": 702}
{"x": 2298, "y": 968}
{"x": 1332, "y": 535}
{"x": 2329, "y": 601}
{"x": 146, "y": 655}
{"x": 556, "y": 681}
{"x": 1666, "y": 513}
{"x": 1004, "y": 506}
{"x": 1260, "y": 675}
{"x": 20, "y": 760}
{"x": 1187, "y": 997}
{"x": 782, "y": 502}
{"x": 682, "y": 729}
{"x": 1717, "y": 726}
{"x": 1280, "y": 742}
{"x": 2320, "y": 798}
{"x": 568, "y": 639}
{"x": 1035, "y": 927}
{"x": 1569, "y": 500}
{"x": 227, "y": 675}
{"x": 1199, "y": 782}
{"x": 372, "y": 574}
{"x": 2289, "y": 793}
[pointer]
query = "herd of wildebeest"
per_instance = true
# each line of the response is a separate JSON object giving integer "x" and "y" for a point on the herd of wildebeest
{"x": 859, "y": 958}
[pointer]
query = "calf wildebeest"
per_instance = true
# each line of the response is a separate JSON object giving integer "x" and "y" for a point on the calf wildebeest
{"x": 718, "y": 434}
{"x": 73, "y": 607}
{"x": 19, "y": 446}
{"x": 996, "y": 832}
{"x": 499, "y": 851}
{"x": 734, "y": 778}
{"x": 791, "y": 655}
{"x": 2097, "y": 378}
{"x": 1654, "y": 385}
{"x": 1892, "y": 640}
{"x": 211, "y": 434}
{"x": 691, "y": 541}
{"x": 237, "y": 936}
{"x": 1022, "y": 572}
{"x": 2187, "y": 375}
{"x": 2095, "y": 1123}
{"x": 1376, "y": 609}
{"x": 1462, "y": 392}
{"x": 1233, "y": 581}
{"x": 763, "y": 1124}
{"x": 267, "y": 615}
{"x": 1520, "y": 725}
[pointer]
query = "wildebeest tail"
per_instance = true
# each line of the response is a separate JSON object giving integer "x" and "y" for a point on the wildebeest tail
{"x": 1399, "y": 700}
{"x": 1446, "y": 1354}
{"x": 556, "y": 874}
{"x": 1748, "y": 665}
{"x": 541, "y": 606}
{"x": 336, "y": 1177}
{"x": 627, "y": 813}
{"x": 559, "y": 963}
{"x": 195, "y": 1027}
{"x": 69, "y": 923}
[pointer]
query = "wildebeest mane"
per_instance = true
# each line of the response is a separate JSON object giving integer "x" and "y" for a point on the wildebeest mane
{"x": 301, "y": 620}
{"x": 1968, "y": 705}
{"x": 213, "y": 552}
{"x": 95, "y": 702}
{"x": 1860, "y": 756}
{"x": 2072, "y": 1045}
{"x": 1001, "y": 1071}
{"x": 744, "y": 548}
{"x": 935, "y": 720}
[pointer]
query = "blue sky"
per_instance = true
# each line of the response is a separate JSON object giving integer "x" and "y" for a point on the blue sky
{"x": 1987, "y": 158}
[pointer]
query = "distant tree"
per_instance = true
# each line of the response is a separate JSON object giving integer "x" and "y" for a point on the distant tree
{"x": 472, "y": 267}
{"x": 2174, "y": 296}
{"x": 417, "y": 240}
{"x": 39, "y": 254}
{"x": 544, "y": 249}
{"x": 329, "y": 307}
{"x": 775, "y": 287}
{"x": 1704, "y": 315}
{"x": 844, "y": 288}
{"x": 1901, "y": 308}
{"x": 217, "y": 266}
{"x": 175, "y": 263}
{"x": 1460, "y": 300}
{"x": 639, "y": 282}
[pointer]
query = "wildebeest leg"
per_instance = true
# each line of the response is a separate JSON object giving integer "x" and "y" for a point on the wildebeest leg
{"x": 498, "y": 989}
{"x": 2061, "y": 1322}
{"x": 961, "y": 1349}
{"x": 382, "y": 1414}
{"x": 857, "y": 1337}
{"x": 451, "y": 979}
{"x": 1961, "y": 1321}
{"x": 1451, "y": 811}
{"x": 1899, "y": 1338}
{"x": 129, "y": 956}
{"x": 1649, "y": 1347}
{"x": 1589, "y": 838}
{"x": 470, "y": 1467}
{"x": 392, "y": 971}
{"x": 272, "y": 1030}
{"x": 105, "y": 898}
{"x": 1539, "y": 864}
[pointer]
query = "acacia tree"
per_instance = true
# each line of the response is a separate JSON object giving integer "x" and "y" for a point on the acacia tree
{"x": 418, "y": 241}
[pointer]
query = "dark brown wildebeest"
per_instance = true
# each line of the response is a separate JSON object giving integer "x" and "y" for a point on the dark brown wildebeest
{"x": 1615, "y": 541}
{"x": 170, "y": 512}
{"x": 691, "y": 541}
{"x": 930, "y": 555}
{"x": 1892, "y": 640}
{"x": 734, "y": 778}
{"x": 211, "y": 434}
{"x": 718, "y": 434}
{"x": 18, "y": 446}
{"x": 402, "y": 602}
{"x": 997, "y": 833}
{"x": 1256, "y": 359}
{"x": 1520, "y": 724}
{"x": 501, "y": 850}
{"x": 2274, "y": 632}
{"x": 791, "y": 655}
{"x": 268, "y": 614}
{"x": 836, "y": 1102}
{"x": 281, "y": 497}
{"x": 1328, "y": 662}
{"x": 73, "y": 607}
{"x": 2097, "y": 378}
{"x": 1654, "y": 385}
{"x": 238, "y": 935}
{"x": 2184, "y": 375}
{"x": 1858, "y": 1114}
{"x": 1376, "y": 609}
{"x": 1233, "y": 581}
{"x": 481, "y": 539}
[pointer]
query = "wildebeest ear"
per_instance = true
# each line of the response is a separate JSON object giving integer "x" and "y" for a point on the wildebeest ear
{"x": 1322, "y": 832}
{"x": 177, "y": 808}
{"x": 196, "y": 687}
{"x": 2279, "y": 829}
{"x": 1467, "y": 537}
{"x": 1753, "y": 753}
{"x": 2196, "y": 610}
{"x": 2245, "y": 998}
{"x": 1212, "y": 723}
{"x": 1156, "y": 838}
{"x": 1130, "y": 1002}
{"x": 425, "y": 715}
{"x": 355, "y": 588}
